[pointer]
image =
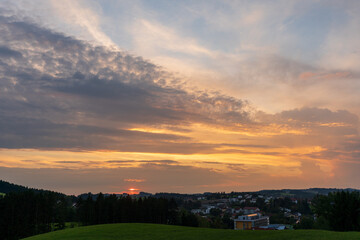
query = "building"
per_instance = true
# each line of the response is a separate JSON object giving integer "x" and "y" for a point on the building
{"x": 276, "y": 227}
{"x": 250, "y": 210}
{"x": 196, "y": 211}
{"x": 251, "y": 221}
{"x": 208, "y": 209}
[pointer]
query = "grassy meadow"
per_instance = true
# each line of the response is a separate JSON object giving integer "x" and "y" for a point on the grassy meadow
{"x": 138, "y": 231}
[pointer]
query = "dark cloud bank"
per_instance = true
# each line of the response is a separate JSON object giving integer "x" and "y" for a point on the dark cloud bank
{"x": 57, "y": 92}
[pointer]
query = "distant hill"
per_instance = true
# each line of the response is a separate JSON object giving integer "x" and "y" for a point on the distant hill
{"x": 296, "y": 193}
{"x": 140, "y": 231}
{"x": 303, "y": 193}
{"x": 6, "y": 187}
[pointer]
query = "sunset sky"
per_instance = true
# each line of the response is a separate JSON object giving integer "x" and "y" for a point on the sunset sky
{"x": 179, "y": 96}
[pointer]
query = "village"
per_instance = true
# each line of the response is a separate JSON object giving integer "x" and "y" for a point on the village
{"x": 247, "y": 214}
{"x": 245, "y": 211}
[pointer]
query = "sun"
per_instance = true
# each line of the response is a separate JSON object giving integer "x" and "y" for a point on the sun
{"x": 133, "y": 191}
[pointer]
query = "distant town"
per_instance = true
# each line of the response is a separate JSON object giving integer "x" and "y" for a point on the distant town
{"x": 261, "y": 210}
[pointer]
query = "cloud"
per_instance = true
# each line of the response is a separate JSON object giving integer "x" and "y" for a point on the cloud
{"x": 157, "y": 37}
{"x": 134, "y": 180}
{"x": 259, "y": 49}
{"x": 324, "y": 76}
{"x": 59, "y": 92}
{"x": 321, "y": 116}
{"x": 77, "y": 13}
{"x": 341, "y": 49}
{"x": 6, "y": 52}
{"x": 255, "y": 50}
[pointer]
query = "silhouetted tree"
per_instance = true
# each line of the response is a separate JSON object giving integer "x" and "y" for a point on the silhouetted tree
{"x": 28, "y": 213}
{"x": 339, "y": 210}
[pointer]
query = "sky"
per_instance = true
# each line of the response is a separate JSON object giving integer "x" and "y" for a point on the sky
{"x": 179, "y": 96}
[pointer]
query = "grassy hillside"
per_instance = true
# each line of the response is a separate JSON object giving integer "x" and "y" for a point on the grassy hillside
{"x": 138, "y": 231}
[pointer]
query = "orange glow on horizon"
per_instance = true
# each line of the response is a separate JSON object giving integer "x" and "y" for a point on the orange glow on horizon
{"x": 132, "y": 191}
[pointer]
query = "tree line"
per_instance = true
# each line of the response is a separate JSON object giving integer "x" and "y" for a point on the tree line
{"x": 27, "y": 213}
{"x": 337, "y": 211}
{"x": 113, "y": 209}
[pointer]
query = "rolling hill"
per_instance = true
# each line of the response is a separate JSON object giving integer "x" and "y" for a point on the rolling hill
{"x": 6, "y": 187}
{"x": 138, "y": 231}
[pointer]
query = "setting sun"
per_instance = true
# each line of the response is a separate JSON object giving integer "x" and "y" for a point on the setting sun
{"x": 132, "y": 191}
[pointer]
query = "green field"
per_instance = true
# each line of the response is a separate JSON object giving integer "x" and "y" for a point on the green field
{"x": 138, "y": 231}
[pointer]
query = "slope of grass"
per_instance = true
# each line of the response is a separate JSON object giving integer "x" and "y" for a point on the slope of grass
{"x": 138, "y": 231}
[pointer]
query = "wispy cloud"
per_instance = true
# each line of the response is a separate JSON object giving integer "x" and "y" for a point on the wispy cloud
{"x": 134, "y": 180}
{"x": 85, "y": 16}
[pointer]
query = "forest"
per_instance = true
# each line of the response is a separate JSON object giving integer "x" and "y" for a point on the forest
{"x": 28, "y": 213}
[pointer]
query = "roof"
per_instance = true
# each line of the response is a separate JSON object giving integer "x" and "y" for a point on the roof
{"x": 251, "y": 217}
{"x": 251, "y": 208}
